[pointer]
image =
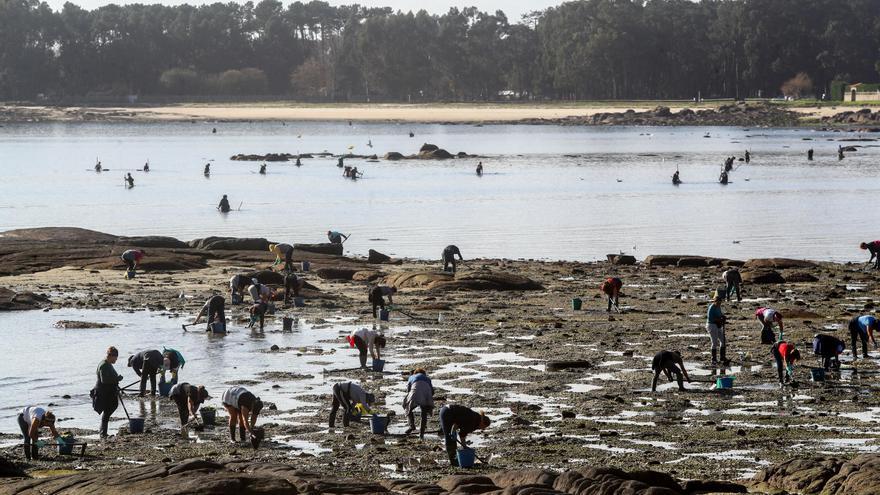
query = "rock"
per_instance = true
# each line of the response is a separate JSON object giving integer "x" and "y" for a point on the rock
{"x": 393, "y": 156}
{"x": 777, "y": 263}
{"x": 568, "y": 414}
{"x": 73, "y": 324}
{"x": 699, "y": 486}
{"x": 567, "y": 365}
{"x": 693, "y": 261}
{"x": 454, "y": 482}
{"x": 8, "y": 469}
{"x": 231, "y": 243}
{"x": 611, "y": 481}
{"x": 800, "y": 277}
{"x": 61, "y": 235}
{"x": 762, "y": 277}
{"x": 377, "y": 257}
{"x": 19, "y": 301}
{"x": 428, "y": 148}
{"x": 520, "y": 477}
{"x": 808, "y": 475}
{"x": 486, "y": 280}
{"x": 662, "y": 111}
{"x": 440, "y": 154}
{"x": 322, "y": 248}
{"x": 268, "y": 157}
{"x": 416, "y": 279}
{"x": 621, "y": 259}
{"x": 366, "y": 276}
{"x": 336, "y": 273}
{"x": 154, "y": 241}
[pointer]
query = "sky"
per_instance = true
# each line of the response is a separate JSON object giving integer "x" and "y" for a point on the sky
{"x": 513, "y": 8}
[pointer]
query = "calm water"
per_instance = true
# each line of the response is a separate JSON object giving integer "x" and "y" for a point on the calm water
{"x": 35, "y": 372}
{"x": 548, "y": 192}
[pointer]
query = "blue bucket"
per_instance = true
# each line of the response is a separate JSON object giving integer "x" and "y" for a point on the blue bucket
{"x": 378, "y": 365}
{"x": 724, "y": 382}
{"x": 65, "y": 447}
{"x": 466, "y": 458}
{"x": 135, "y": 425}
{"x": 384, "y": 314}
{"x": 165, "y": 389}
{"x": 130, "y": 274}
{"x": 817, "y": 374}
{"x": 378, "y": 424}
{"x": 305, "y": 266}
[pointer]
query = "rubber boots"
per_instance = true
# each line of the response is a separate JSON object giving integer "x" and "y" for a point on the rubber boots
{"x": 714, "y": 356}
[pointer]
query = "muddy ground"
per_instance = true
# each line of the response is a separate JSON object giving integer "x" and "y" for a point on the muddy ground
{"x": 491, "y": 348}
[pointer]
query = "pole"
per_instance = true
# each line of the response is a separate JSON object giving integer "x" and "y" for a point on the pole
{"x": 123, "y": 403}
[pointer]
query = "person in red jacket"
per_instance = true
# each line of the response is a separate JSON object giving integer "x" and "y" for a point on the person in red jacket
{"x": 786, "y": 356}
{"x": 611, "y": 288}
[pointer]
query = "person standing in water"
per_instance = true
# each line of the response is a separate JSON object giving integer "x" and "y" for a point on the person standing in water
{"x": 146, "y": 364}
{"x": 480, "y": 169}
{"x": 810, "y": 154}
{"x": 214, "y": 311}
{"x": 207, "y": 169}
{"x": 129, "y": 180}
{"x": 263, "y": 169}
{"x": 106, "y": 398}
{"x": 147, "y": 166}
{"x": 675, "y": 179}
{"x": 98, "y": 166}
{"x": 224, "y": 205}
{"x": 748, "y": 156}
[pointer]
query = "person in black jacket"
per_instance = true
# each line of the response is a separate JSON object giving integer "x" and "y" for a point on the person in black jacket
{"x": 461, "y": 420}
{"x": 669, "y": 363}
{"x": 107, "y": 389}
{"x": 147, "y": 364}
{"x": 449, "y": 253}
{"x": 188, "y": 399}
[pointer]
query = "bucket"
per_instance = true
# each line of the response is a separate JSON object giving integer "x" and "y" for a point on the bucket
{"x": 218, "y": 327}
{"x": 65, "y": 445}
{"x": 299, "y": 302}
{"x": 378, "y": 365}
{"x": 466, "y": 458}
{"x": 724, "y": 382}
{"x": 305, "y": 266}
{"x": 384, "y": 314}
{"x": 130, "y": 274}
{"x": 135, "y": 425}
{"x": 576, "y": 304}
{"x": 817, "y": 374}
{"x": 208, "y": 416}
{"x": 287, "y": 324}
{"x": 236, "y": 299}
{"x": 165, "y": 389}
{"x": 378, "y": 424}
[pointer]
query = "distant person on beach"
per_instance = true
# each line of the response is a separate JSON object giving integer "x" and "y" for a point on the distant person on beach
{"x": 263, "y": 169}
{"x": 748, "y": 156}
{"x": 675, "y": 178}
{"x": 367, "y": 340}
{"x": 129, "y": 180}
{"x": 298, "y": 162}
{"x": 419, "y": 394}
{"x": 733, "y": 278}
{"x": 377, "y": 296}
{"x": 723, "y": 177}
{"x": 30, "y": 420}
{"x": 863, "y": 328}
{"x": 767, "y": 317}
{"x": 238, "y": 285}
{"x": 146, "y": 364}
{"x": 106, "y": 392}
{"x": 460, "y": 420}
{"x": 873, "y": 247}
{"x": 214, "y": 311}
{"x": 810, "y": 154}
{"x": 336, "y": 237}
{"x": 480, "y": 169}
{"x": 354, "y": 174}
{"x": 715, "y": 323}
{"x": 341, "y": 162}
{"x": 285, "y": 250}
{"x": 611, "y": 288}
{"x": 669, "y": 363}
{"x": 224, "y": 205}
{"x": 840, "y": 152}
{"x": 828, "y": 347}
{"x": 132, "y": 257}
{"x": 98, "y": 167}
{"x": 786, "y": 357}
{"x": 347, "y": 396}
{"x": 243, "y": 408}
{"x": 207, "y": 169}
{"x": 728, "y": 164}
{"x": 346, "y": 172}
{"x": 147, "y": 167}
{"x": 449, "y": 254}
{"x": 188, "y": 398}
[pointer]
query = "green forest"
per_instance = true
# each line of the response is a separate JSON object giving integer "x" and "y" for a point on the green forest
{"x": 587, "y": 49}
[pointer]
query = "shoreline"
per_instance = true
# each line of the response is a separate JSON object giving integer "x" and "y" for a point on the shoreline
{"x": 604, "y": 415}
{"x": 461, "y": 114}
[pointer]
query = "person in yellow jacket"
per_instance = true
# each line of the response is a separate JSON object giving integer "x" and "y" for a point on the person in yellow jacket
{"x": 283, "y": 250}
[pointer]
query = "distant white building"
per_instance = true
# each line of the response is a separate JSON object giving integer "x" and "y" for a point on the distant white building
{"x": 862, "y": 92}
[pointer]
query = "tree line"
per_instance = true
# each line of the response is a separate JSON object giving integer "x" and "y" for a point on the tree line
{"x": 586, "y": 49}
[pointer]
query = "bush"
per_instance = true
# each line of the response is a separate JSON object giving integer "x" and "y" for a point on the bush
{"x": 180, "y": 81}
{"x": 312, "y": 78}
{"x": 798, "y": 85}
{"x": 240, "y": 82}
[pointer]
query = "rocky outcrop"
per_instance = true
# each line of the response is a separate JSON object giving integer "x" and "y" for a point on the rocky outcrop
{"x": 777, "y": 263}
{"x": 268, "y": 157}
{"x": 738, "y": 114}
{"x": 621, "y": 259}
{"x": 20, "y": 301}
{"x": 8, "y": 469}
{"x": 231, "y": 243}
{"x": 861, "y": 116}
{"x": 336, "y": 273}
{"x": 153, "y": 241}
{"x": 688, "y": 261}
{"x": 442, "y": 281}
{"x": 567, "y": 365}
{"x": 377, "y": 257}
{"x": 80, "y": 325}
{"x": 821, "y": 475}
{"x": 60, "y": 235}
{"x": 762, "y": 277}
{"x": 203, "y": 477}
{"x": 321, "y": 248}
{"x": 394, "y": 156}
